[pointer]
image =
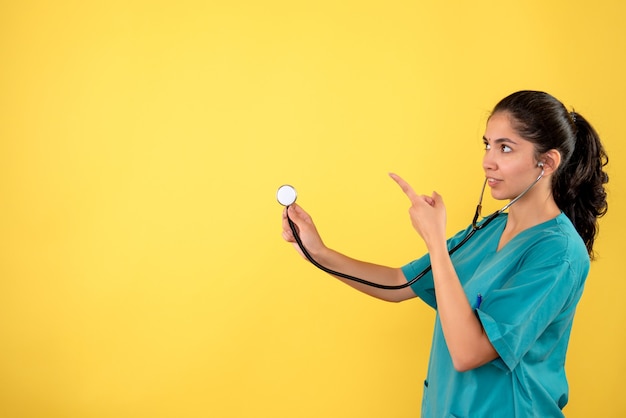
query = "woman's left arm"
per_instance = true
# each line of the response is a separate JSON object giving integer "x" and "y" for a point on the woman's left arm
{"x": 465, "y": 337}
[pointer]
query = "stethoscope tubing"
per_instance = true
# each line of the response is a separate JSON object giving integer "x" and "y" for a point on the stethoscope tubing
{"x": 411, "y": 282}
{"x": 475, "y": 227}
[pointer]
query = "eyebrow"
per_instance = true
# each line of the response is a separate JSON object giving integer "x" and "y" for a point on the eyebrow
{"x": 501, "y": 140}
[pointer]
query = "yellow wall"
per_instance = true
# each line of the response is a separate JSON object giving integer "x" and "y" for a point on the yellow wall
{"x": 142, "y": 272}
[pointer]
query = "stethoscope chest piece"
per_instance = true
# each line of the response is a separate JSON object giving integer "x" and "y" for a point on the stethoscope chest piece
{"x": 286, "y": 195}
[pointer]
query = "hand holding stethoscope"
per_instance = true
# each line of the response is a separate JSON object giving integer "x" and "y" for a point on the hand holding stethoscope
{"x": 296, "y": 217}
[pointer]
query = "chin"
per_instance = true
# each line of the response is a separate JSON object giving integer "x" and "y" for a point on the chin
{"x": 499, "y": 196}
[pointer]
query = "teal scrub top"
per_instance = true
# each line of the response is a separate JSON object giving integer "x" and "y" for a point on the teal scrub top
{"x": 528, "y": 295}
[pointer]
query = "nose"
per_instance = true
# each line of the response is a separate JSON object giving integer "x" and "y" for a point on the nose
{"x": 488, "y": 161}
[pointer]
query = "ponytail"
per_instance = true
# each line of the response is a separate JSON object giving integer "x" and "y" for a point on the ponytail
{"x": 578, "y": 186}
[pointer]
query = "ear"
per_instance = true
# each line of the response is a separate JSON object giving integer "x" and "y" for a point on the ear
{"x": 551, "y": 161}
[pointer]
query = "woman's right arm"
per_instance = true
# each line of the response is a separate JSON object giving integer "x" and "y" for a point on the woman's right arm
{"x": 336, "y": 261}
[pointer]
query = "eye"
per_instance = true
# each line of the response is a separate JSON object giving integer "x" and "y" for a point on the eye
{"x": 505, "y": 148}
{"x": 487, "y": 146}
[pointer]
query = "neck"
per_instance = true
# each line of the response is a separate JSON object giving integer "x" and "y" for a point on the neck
{"x": 536, "y": 207}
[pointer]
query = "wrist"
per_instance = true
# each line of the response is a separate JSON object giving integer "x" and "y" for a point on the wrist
{"x": 321, "y": 254}
{"x": 436, "y": 247}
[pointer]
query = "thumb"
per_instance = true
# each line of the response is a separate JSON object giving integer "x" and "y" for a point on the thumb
{"x": 292, "y": 213}
{"x": 437, "y": 199}
{"x": 297, "y": 214}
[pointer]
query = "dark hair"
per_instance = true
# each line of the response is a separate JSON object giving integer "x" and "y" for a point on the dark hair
{"x": 578, "y": 184}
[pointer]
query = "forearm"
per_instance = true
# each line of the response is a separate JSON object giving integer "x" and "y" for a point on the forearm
{"x": 333, "y": 260}
{"x": 384, "y": 275}
{"x": 467, "y": 342}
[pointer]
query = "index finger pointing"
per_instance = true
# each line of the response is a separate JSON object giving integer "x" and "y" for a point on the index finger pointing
{"x": 406, "y": 187}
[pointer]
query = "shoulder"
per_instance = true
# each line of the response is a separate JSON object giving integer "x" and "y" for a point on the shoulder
{"x": 557, "y": 241}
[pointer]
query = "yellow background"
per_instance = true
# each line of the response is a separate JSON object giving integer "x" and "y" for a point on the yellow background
{"x": 142, "y": 272}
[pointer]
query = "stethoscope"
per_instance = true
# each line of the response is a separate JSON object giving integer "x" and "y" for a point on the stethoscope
{"x": 287, "y": 195}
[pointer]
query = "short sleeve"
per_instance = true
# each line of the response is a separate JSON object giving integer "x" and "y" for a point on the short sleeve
{"x": 542, "y": 293}
{"x": 424, "y": 288}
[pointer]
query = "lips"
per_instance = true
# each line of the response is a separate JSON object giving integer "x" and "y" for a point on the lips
{"x": 492, "y": 182}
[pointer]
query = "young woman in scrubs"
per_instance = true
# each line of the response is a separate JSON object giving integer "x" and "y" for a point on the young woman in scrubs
{"x": 505, "y": 301}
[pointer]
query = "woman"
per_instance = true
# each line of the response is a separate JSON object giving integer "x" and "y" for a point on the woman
{"x": 505, "y": 301}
